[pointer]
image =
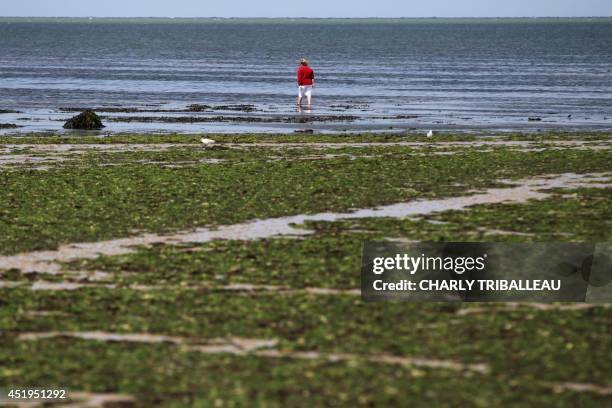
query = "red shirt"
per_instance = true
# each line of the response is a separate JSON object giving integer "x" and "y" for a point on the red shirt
{"x": 305, "y": 75}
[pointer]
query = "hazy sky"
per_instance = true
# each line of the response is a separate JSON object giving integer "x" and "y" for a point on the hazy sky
{"x": 308, "y": 8}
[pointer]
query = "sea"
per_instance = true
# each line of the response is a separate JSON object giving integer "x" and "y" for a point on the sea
{"x": 372, "y": 75}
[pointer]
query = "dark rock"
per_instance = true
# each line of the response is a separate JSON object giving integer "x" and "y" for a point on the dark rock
{"x": 535, "y": 119}
{"x": 8, "y": 126}
{"x": 304, "y": 131}
{"x": 86, "y": 120}
{"x": 8, "y": 111}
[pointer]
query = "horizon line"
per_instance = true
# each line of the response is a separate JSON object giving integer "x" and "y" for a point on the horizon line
{"x": 311, "y": 18}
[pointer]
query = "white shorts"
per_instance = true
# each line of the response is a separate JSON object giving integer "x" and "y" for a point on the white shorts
{"x": 304, "y": 90}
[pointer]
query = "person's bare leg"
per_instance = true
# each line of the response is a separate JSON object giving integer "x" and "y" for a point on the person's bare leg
{"x": 299, "y": 101}
{"x": 309, "y": 97}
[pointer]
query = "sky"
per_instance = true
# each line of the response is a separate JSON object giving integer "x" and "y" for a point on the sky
{"x": 307, "y": 8}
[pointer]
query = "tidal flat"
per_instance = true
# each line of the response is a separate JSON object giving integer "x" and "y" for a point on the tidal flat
{"x": 132, "y": 270}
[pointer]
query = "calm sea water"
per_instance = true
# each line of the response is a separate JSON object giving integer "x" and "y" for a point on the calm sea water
{"x": 451, "y": 75}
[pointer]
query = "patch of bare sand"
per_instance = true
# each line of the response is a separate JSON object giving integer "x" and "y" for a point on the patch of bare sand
{"x": 82, "y": 148}
{"x": 526, "y": 144}
{"x": 520, "y": 306}
{"x": 234, "y": 287}
{"x": 229, "y": 345}
{"x": 155, "y": 147}
{"x": 581, "y": 387}
{"x": 19, "y": 161}
{"x": 259, "y": 348}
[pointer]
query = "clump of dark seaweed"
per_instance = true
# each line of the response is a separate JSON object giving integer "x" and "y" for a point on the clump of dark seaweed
{"x": 109, "y": 109}
{"x": 204, "y": 108}
{"x": 240, "y": 108}
{"x": 88, "y": 119}
{"x": 198, "y": 108}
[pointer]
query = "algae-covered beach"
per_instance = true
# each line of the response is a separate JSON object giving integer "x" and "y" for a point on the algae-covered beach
{"x": 147, "y": 270}
{"x": 193, "y": 209}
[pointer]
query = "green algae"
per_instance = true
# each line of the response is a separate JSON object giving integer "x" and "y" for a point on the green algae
{"x": 82, "y": 200}
{"x": 41, "y": 210}
{"x": 160, "y": 375}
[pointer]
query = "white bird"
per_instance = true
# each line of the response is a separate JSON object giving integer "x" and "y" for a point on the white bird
{"x": 208, "y": 142}
{"x": 430, "y": 133}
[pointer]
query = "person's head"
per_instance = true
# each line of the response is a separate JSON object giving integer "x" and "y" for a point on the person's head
{"x": 304, "y": 61}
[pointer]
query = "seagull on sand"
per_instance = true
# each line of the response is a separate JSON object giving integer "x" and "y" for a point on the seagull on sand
{"x": 208, "y": 142}
{"x": 430, "y": 133}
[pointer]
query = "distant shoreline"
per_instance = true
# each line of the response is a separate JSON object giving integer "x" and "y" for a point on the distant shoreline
{"x": 413, "y": 20}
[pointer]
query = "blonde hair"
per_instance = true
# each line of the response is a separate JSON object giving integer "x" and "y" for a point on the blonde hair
{"x": 303, "y": 61}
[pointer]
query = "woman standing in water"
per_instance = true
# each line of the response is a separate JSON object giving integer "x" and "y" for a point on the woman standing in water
{"x": 306, "y": 81}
